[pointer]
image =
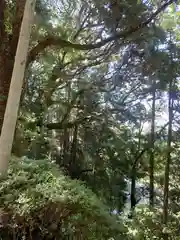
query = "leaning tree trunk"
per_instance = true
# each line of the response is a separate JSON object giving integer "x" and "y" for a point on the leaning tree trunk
{"x": 10, "y": 117}
{"x": 8, "y": 46}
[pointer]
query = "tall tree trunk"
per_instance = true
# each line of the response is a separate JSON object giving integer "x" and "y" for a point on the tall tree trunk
{"x": 66, "y": 145}
{"x": 74, "y": 145}
{"x": 4, "y": 85}
{"x": 133, "y": 188}
{"x": 73, "y": 169}
{"x": 2, "y": 22}
{"x": 10, "y": 117}
{"x": 2, "y": 57}
{"x": 151, "y": 160}
{"x": 168, "y": 160}
{"x": 8, "y": 46}
{"x": 133, "y": 198}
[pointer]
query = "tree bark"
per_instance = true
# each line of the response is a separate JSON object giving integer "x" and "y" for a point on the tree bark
{"x": 10, "y": 117}
{"x": 2, "y": 22}
{"x": 5, "y": 77}
{"x": 151, "y": 160}
{"x": 134, "y": 171}
{"x": 168, "y": 160}
{"x": 74, "y": 145}
{"x": 8, "y": 46}
{"x": 133, "y": 188}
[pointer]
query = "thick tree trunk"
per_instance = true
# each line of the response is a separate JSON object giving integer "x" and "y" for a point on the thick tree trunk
{"x": 2, "y": 22}
{"x": 10, "y": 117}
{"x": 5, "y": 78}
{"x": 8, "y": 46}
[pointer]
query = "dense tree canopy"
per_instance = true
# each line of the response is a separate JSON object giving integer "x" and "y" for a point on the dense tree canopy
{"x": 98, "y": 119}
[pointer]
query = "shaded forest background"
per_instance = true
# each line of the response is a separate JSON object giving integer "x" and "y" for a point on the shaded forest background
{"x": 98, "y": 123}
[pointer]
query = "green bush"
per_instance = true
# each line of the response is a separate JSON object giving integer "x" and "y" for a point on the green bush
{"x": 148, "y": 224}
{"x": 38, "y": 202}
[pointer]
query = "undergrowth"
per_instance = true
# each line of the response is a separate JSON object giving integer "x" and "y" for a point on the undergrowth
{"x": 38, "y": 202}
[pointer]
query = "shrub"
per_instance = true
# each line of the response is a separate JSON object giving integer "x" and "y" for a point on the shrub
{"x": 147, "y": 224}
{"x": 38, "y": 202}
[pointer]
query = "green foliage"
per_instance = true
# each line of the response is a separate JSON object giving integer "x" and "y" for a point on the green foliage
{"x": 36, "y": 199}
{"x": 148, "y": 224}
{"x": 98, "y": 104}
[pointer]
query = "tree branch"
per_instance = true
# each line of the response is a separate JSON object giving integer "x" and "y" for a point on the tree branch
{"x": 57, "y": 41}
